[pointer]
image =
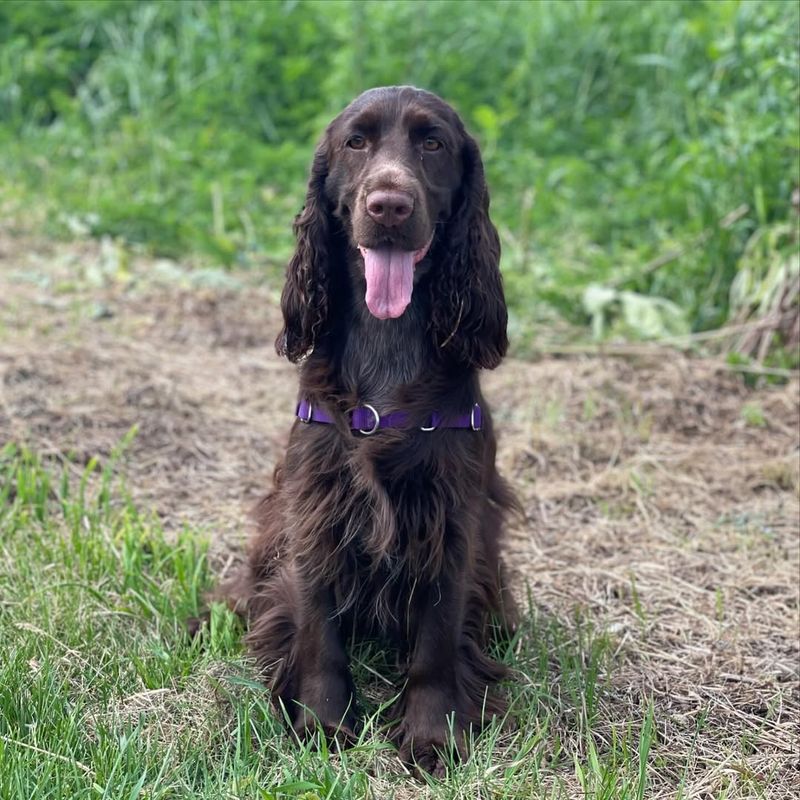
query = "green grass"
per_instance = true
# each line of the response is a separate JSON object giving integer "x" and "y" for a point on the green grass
{"x": 102, "y": 695}
{"x": 614, "y": 133}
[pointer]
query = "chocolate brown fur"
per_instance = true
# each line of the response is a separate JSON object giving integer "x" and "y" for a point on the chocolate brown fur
{"x": 394, "y": 535}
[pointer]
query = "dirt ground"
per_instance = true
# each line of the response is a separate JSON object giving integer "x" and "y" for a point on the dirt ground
{"x": 661, "y": 491}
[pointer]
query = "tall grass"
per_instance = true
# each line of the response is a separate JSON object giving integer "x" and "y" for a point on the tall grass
{"x": 614, "y": 132}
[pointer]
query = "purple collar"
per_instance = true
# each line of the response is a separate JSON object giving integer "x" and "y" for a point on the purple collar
{"x": 367, "y": 420}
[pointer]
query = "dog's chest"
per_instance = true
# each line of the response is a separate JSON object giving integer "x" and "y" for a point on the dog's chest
{"x": 382, "y": 356}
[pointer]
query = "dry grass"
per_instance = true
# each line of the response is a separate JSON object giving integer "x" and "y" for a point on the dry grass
{"x": 661, "y": 491}
{"x": 673, "y": 522}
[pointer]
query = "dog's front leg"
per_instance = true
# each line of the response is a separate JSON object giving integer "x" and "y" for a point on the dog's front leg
{"x": 312, "y": 679}
{"x": 323, "y": 687}
{"x": 434, "y": 702}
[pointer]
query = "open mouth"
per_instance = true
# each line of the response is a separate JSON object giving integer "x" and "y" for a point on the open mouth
{"x": 390, "y": 278}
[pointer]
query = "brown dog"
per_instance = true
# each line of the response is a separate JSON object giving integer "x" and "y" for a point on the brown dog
{"x": 386, "y": 514}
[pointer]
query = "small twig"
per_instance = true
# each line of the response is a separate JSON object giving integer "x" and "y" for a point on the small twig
{"x": 87, "y": 770}
{"x": 27, "y": 626}
{"x": 631, "y": 351}
{"x": 619, "y": 350}
{"x": 373, "y": 672}
{"x": 755, "y": 369}
{"x": 683, "y": 341}
{"x": 716, "y": 333}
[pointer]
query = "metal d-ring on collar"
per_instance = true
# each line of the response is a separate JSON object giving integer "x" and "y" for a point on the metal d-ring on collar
{"x": 377, "y": 420}
{"x": 307, "y": 418}
{"x": 472, "y": 418}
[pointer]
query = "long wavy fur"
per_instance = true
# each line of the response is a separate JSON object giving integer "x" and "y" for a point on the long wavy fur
{"x": 304, "y": 300}
{"x": 468, "y": 310}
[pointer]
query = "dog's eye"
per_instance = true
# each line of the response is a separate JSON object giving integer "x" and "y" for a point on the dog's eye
{"x": 356, "y": 142}
{"x": 431, "y": 144}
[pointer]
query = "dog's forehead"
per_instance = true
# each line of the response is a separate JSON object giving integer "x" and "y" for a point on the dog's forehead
{"x": 415, "y": 107}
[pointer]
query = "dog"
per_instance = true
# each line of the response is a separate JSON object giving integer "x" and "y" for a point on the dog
{"x": 386, "y": 514}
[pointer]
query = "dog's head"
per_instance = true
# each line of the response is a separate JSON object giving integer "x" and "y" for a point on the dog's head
{"x": 398, "y": 176}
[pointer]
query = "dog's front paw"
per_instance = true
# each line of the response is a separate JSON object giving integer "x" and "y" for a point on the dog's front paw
{"x": 430, "y": 746}
{"x": 308, "y": 723}
{"x": 325, "y": 703}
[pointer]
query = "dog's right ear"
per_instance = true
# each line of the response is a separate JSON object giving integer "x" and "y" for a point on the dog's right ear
{"x": 304, "y": 300}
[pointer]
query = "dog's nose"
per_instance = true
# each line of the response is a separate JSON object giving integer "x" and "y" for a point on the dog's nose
{"x": 389, "y": 207}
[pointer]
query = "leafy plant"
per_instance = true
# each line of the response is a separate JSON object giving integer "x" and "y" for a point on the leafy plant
{"x": 618, "y": 138}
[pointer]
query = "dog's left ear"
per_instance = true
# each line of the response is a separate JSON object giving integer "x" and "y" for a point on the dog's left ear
{"x": 469, "y": 313}
{"x": 304, "y": 300}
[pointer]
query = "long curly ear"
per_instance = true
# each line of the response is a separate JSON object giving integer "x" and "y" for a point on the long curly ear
{"x": 468, "y": 306}
{"x": 304, "y": 300}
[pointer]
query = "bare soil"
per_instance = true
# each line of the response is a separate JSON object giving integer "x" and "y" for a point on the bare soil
{"x": 661, "y": 491}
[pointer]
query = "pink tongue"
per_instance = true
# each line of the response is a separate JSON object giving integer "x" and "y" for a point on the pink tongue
{"x": 390, "y": 280}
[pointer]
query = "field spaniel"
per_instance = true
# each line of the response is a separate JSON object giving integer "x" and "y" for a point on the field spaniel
{"x": 386, "y": 514}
